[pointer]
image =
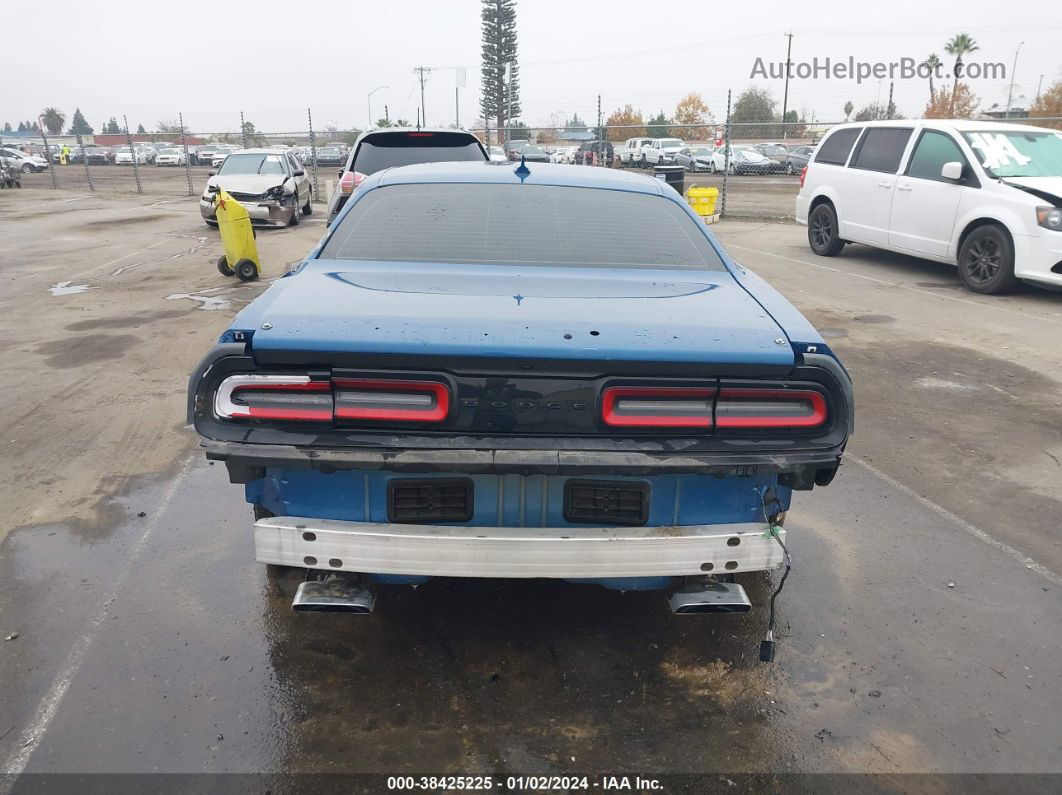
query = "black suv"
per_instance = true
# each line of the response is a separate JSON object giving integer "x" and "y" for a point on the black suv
{"x": 390, "y": 147}
{"x": 584, "y": 155}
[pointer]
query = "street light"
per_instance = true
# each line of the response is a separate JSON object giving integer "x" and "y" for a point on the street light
{"x": 378, "y": 88}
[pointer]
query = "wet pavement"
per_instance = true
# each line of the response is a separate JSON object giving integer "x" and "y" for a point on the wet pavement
{"x": 157, "y": 644}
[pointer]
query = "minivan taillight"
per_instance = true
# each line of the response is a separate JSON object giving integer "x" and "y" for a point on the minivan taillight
{"x": 803, "y": 175}
{"x": 384, "y": 399}
{"x": 274, "y": 397}
{"x": 769, "y": 408}
{"x": 657, "y": 407}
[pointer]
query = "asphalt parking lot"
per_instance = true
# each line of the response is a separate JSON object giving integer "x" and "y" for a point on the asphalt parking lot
{"x": 918, "y": 632}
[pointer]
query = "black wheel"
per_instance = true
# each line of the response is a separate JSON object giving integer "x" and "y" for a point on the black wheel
{"x": 223, "y": 267}
{"x": 644, "y": 163}
{"x": 246, "y": 270}
{"x": 986, "y": 261}
{"x": 822, "y": 231}
{"x": 307, "y": 209}
{"x": 294, "y": 209}
{"x": 26, "y": 168}
{"x": 789, "y": 169}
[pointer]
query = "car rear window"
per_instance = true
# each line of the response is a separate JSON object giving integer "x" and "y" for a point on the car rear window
{"x": 388, "y": 150}
{"x": 520, "y": 225}
{"x": 882, "y": 149}
{"x": 837, "y": 146}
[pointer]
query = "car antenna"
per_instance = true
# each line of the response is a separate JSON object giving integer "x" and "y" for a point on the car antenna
{"x": 522, "y": 171}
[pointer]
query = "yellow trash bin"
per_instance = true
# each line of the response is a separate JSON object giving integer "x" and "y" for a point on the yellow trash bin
{"x": 702, "y": 199}
{"x": 237, "y": 237}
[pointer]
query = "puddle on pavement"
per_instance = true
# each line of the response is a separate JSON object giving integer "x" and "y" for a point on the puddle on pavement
{"x": 207, "y": 303}
{"x": 67, "y": 288}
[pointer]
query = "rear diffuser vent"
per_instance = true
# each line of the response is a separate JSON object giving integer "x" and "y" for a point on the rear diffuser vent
{"x": 429, "y": 501}
{"x": 606, "y": 502}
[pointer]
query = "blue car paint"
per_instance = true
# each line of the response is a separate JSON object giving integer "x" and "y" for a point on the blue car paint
{"x": 490, "y": 310}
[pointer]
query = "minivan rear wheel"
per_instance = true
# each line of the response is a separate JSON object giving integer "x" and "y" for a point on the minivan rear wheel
{"x": 822, "y": 231}
{"x": 986, "y": 261}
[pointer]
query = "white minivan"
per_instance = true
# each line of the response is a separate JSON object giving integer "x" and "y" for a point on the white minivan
{"x": 983, "y": 195}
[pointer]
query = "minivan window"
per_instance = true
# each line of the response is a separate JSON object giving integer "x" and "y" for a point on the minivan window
{"x": 837, "y": 146}
{"x": 882, "y": 149}
{"x": 932, "y": 151}
{"x": 518, "y": 224}
{"x": 388, "y": 150}
{"x": 1018, "y": 153}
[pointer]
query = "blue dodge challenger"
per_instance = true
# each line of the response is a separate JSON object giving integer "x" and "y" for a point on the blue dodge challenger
{"x": 540, "y": 371}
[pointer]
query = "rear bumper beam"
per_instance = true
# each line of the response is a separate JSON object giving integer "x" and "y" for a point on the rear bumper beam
{"x": 515, "y": 552}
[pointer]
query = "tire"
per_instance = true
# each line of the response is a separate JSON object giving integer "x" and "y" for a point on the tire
{"x": 823, "y": 231}
{"x": 789, "y": 169}
{"x": 644, "y": 163}
{"x": 223, "y": 267}
{"x": 294, "y": 210}
{"x": 308, "y": 207}
{"x": 246, "y": 270}
{"x": 986, "y": 261}
{"x": 711, "y": 167}
{"x": 26, "y": 168}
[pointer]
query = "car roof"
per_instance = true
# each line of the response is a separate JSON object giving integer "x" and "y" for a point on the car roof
{"x": 959, "y": 125}
{"x": 555, "y": 174}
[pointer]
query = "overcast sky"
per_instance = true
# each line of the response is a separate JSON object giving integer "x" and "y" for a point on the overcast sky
{"x": 275, "y": 59}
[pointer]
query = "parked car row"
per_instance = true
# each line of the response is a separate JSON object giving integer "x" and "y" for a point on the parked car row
{"x": 764, "y": 158}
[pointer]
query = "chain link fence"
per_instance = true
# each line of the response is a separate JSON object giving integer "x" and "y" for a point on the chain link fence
{"x": 755, "y": 164}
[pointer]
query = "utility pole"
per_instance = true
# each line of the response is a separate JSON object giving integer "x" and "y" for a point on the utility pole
{"x": 1038, "y": 87}
{"x": 378, "y": 88}
{"x": 243, "y": 129}
{"x": 387, "y": 115}
{"x": 785, "y": 95}
{"x": 599, "y": 155}
{"x": 422, "y": 73}
{"x": 509, "y": 100}
{"x": 888, "y": 108}
{"x": 1013, "y": 69}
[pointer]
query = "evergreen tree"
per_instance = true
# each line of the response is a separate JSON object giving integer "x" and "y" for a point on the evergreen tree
{"x": 22, "y": 126}
{"x": 111, "y": 127}
{"x": 78, "y": 126}
{"x": 499, "y": 97}
{"x": 7, "y": 126}
{"x": 657, "y": 127}
{"x": 140, "y": 129}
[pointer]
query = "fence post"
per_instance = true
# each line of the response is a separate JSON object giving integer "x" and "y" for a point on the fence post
{"x": 726, "y": 156}
{"x": 84, "y": 160}
{"x": 132, "y": 151}
{"x": 48, "y": 156}
{"x": 243, "y": 130}
{"x": 313, "y": 157}
{"x": 187, "y": 159}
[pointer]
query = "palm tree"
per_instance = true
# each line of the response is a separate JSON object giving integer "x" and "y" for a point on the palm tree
{"x": 960, "y": 45}
{"x": 53, "y": 119}
{"x": 932, "y": 63}
{"x": 848, "y": 108}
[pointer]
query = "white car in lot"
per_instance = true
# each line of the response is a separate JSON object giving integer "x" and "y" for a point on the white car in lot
{"x": 124, "y": 156}
{"x": 630, "y": 154}
{"x": 563, "y": 155}
{"x": 662, "y": 151}
{"x": 984, "y": 196}
{"x": 22, "y": 161}
{"x": 497, "y": 154}
{"x": 271, "y": 184}
{"x": 170, "y": 157}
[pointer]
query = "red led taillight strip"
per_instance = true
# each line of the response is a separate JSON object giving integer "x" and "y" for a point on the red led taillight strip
{"x": 404, "y": 401}
{"x": 769, "y": 408}
{"x": 657, "y": 407}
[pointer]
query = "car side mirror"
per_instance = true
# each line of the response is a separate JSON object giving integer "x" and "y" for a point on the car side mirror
{"x": 952, "y": 171}
{"x": 300, "y": 173}
{"x": 212, "y": 173}
{"x": 340, "y": 173}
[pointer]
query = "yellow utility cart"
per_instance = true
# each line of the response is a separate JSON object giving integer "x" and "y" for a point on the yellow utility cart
{"x": 237, "y": 236}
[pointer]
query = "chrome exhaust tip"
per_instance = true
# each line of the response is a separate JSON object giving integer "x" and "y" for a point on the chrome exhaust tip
{"x": 333, "y": 594}
{"x": 710, "y": 597}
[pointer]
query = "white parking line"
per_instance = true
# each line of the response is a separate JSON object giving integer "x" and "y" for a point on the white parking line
{"x": 116, "y": 260}
{"x": 30, "y": 738}
{"x": 901, "y": 286}
{"x": 972, "y": 529}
